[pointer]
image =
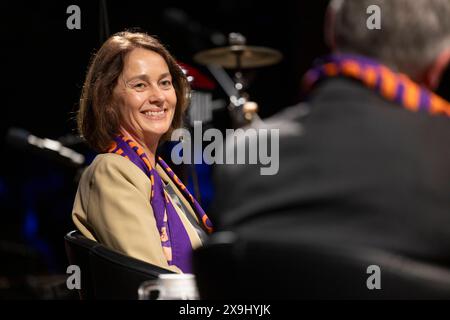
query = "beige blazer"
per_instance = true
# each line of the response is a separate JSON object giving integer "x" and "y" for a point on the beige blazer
{"x": 112, "y": 207}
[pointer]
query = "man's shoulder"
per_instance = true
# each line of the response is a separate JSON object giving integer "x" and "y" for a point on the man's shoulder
{"x": 341, "y": 99}
{"x": 287, "y": 121}
{"x": 346, "y": 93}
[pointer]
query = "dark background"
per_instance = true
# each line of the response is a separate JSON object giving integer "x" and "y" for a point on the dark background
{"x": 44, "y": 66}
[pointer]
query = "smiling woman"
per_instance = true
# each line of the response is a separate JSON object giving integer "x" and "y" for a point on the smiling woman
{"x": 133, "y": 97}
{"x": 114, "y": 69}
{"x": 147, "y": 98}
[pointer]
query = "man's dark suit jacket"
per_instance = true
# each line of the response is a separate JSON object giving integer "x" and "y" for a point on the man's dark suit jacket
{"x": 355, "y": 169}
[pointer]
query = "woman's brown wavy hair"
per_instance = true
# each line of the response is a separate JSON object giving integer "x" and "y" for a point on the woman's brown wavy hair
{"x": 98, "y": 117}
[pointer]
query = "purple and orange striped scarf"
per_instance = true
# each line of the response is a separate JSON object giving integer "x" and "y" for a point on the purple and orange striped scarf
{"x": 395, "y": 87}
{"x": 174, "y": 238}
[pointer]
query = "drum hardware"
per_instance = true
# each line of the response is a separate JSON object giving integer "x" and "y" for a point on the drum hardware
{"x": 238, "y": 56}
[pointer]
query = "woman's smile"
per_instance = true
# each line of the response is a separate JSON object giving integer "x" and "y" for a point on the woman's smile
{"x": 155, "y": 115}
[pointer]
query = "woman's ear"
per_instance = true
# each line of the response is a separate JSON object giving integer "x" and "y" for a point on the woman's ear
{"x": 432, "y": 76}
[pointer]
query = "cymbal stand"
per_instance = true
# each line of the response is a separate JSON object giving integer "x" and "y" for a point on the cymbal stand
{"x": 242, "y": 110}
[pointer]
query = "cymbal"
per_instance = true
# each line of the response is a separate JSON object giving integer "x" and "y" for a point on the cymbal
{"x": 250, "y": 56}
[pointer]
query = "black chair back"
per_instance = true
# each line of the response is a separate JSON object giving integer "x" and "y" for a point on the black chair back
{"x": 116, "y": 276}
{"x": 78, "y": 249}
{"x": 106, "y": 273}
{"x": 241, "y": 266}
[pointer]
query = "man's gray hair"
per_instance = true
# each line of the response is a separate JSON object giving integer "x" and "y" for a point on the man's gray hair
{"x": 413, "y": 32}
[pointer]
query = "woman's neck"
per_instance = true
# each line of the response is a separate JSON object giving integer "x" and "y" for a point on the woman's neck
{"x": 148, "y": 146}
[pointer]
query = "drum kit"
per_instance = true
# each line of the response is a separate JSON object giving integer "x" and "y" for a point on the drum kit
{"x": 238, "y": 56}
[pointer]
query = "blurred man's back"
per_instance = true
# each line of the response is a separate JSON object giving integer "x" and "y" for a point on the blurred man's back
{"x": 363, "y": 169}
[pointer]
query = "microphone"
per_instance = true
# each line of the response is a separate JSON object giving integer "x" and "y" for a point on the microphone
{"x": 54, "y": 149}
{"x": 180, "y": 19}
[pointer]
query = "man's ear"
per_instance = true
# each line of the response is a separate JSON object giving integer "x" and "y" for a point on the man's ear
{"x": 432, "y": 76}
{"x": 328, "y": 28}
{"x": 334, "y": 6}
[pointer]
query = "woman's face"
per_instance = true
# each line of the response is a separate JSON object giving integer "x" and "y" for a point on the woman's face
{"x": 145, "y": 95}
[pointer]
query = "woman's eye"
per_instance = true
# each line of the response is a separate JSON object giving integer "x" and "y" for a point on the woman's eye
{"x": 166, "y": 84}
{"x": 139, "y": 85}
